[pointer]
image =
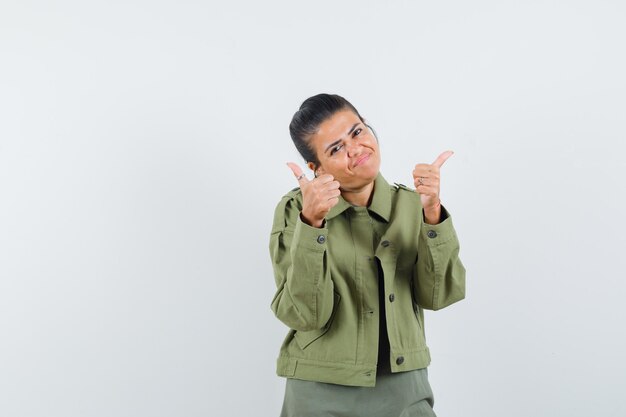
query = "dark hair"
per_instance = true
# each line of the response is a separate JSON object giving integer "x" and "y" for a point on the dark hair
{"x": 313, "y": 112}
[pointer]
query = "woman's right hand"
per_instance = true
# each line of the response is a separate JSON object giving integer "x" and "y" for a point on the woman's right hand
{"x": 318, "y": 196}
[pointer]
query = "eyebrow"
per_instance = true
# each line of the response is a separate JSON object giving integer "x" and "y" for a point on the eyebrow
{"x": 339, "y": 140}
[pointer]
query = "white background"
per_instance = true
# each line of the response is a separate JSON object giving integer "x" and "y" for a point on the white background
{"x": 142, "y": 152}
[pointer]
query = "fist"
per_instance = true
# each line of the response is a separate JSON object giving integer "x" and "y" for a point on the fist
{"x": 319, "y": 195}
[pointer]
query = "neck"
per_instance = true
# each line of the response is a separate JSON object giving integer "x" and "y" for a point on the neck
{"x": 360, "y": 196}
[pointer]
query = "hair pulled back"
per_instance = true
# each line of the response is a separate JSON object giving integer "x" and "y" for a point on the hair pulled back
{"x": 312, "y": 113}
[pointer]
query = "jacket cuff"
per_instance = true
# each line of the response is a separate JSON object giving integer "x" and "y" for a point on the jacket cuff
{"x": 438, "y": 234}
{"x": 309, "y": 237}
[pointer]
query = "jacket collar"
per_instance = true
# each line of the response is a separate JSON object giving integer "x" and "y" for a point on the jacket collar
{"x": 381, "y": 201}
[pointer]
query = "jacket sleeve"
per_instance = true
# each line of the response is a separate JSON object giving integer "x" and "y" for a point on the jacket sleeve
{"x": 440, "y": 275}
{"x": 304, "y": 295}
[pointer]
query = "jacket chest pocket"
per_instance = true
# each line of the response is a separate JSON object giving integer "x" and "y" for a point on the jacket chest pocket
{"x": 304, "y": 339}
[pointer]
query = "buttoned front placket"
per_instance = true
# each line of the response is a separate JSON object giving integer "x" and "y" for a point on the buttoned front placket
{"x": 362, "y": 229}
{"x": 386, "y": 253}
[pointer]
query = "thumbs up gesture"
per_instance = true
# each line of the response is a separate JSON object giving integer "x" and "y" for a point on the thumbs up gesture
{"x": 318, "y": 195}
{"x": 426, "y": 178}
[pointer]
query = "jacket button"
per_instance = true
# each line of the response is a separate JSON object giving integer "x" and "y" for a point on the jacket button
{"x": 400, "y": 360}
{"x": 391, "y": 297}
{"x": 321, "y": 239}
{"x": 385, "y": 243}
{"x": 431, "y": 234}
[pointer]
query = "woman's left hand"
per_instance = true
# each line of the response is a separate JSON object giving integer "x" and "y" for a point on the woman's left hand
{"x": 426, "y": 178}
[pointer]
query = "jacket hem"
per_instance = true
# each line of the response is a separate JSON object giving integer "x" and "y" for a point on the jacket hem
{"x": 346, "y": 374}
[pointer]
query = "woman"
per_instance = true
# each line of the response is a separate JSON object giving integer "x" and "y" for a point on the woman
{"x": 356, "y": 261}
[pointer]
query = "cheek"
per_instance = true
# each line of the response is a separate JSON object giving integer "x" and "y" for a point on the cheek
{"x": 336, "y": 165}
{"x": 374, "y": 148}
{"x": 339, "y": 163}
{"x": 369, "y": 140}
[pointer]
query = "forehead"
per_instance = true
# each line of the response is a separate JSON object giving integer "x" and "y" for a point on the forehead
{"x": 335, "y": 127}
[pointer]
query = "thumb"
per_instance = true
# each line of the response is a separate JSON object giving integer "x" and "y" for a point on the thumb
{"x": 297, "y": 172}
{"x": 442, "y": 158}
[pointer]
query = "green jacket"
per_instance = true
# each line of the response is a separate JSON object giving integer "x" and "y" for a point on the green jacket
{"x": 327, "y": 284}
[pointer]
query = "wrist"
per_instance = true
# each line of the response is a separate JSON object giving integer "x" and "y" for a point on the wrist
{"x": 432, "y": 215}
{"x": 311, "y": 222}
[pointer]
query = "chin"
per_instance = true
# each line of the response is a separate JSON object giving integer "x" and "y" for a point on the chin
{"x": 367, "y": 176}
{"x": 371, "y": 171}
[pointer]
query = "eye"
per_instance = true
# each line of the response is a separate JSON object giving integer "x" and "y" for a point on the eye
{"x": 358, "y": 131}
{"x": 336, "y": 148}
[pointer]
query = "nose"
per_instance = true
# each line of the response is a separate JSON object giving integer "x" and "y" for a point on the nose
{"x": 353, "y": 147}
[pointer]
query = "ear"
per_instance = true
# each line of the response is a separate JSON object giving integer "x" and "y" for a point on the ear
{"x": 316, "y": 170}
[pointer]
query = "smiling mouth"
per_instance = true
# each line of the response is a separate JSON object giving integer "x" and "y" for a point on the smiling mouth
{"x": 361, "y": 160}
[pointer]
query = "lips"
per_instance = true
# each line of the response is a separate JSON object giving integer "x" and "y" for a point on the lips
{"x": 361, "y": 160}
